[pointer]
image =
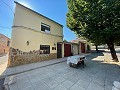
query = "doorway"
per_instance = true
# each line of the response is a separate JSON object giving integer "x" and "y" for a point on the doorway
{"x": 59, "y": 50}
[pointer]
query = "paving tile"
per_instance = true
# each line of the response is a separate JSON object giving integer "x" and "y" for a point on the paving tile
{"x": 33, "y": 75}
{"x": 13, "y": 86}
{"x": 52, "y": 73}
{"x": 67, "y": 83}
{"x": 52, "y": 84}
{"x": 66, "y": 75}
{"x": 60, "y": 87}
{"x": 109, "y": 80}
{"x": 21, "y": 76}
{"x": 24, "y": 80}
{"x": 60, "y": 79}
{"x": 59, "y": 75}
{"x": 7, "y": 79}
{"x": 48, "y": 79}
{"x": 27, "y": 88}
{"x": 10, "y": 70}
{"x": 73, "y": 78}
{"x": 94, "y": 86}
{"x": 98, "y": 82}
{"x": 34, "y": 79}
{"x": 100, "y": 76}
{"x": 108, "y": 87}
{"x": 23, "y": 83}
{"x": 83, "y": 83}
{"x": 19, "y": 69}
{"x": 76, "y": 87}
{"x": 40, "y": 86}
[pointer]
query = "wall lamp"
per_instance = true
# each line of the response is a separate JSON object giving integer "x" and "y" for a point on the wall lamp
{"x": 28, "y": 43}
{"x": 54, "y": 44}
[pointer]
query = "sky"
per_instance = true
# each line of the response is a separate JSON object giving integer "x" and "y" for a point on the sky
{"x": 53, "y": 9}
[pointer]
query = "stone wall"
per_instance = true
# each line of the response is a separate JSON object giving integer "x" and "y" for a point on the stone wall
{"x": 17, "y": 57}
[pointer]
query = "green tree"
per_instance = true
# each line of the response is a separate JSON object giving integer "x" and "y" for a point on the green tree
{"x": 65, "y": 40}
{"x": 96, "y": 20}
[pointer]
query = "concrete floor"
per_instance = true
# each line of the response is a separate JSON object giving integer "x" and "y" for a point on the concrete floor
{"x": 97, "y": 75}
{"x": 1, "y": 83}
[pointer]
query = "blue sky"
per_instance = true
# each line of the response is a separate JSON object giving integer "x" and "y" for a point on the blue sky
{"x": 53, "y": 9}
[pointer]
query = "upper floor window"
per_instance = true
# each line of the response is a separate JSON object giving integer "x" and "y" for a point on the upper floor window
{"x": 45, "y": 28}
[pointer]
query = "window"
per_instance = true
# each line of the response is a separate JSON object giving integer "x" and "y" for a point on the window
{"x": 8, "y": 43}
{"x": 53, "y": 48}
{"x": 45, "y": 49}
{"x": 45, "y": 28}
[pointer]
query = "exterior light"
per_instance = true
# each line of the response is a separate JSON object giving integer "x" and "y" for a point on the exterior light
{"x": 54, "y": 44}
{"x": 28, "y": 43}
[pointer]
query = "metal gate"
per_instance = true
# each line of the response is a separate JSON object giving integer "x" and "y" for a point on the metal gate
{"x": 67, "y": 50}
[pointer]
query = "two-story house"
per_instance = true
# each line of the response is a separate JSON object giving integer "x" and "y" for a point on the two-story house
{"x": 32, "y": 31}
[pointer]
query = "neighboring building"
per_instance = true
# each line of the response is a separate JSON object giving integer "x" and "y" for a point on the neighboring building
{"x": 68, "y": 49}
{"x": 4, "y": 44}
{"x": 83, "y": 46}
{"x": 32, "y": 31}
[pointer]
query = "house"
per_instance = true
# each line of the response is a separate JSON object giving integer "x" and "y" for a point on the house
{"x": 83, "y": 46}
{"x": 34, "y": 37}
{"x": 4, "y": 44}
{"x": 75, "y": 47}
{"x": 68, "y": 49}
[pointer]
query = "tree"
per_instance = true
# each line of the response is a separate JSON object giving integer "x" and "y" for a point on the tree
{"x": 65, "y": 40}
{"x": 96, "y": 20}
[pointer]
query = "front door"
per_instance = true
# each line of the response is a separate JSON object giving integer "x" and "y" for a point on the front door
{"x": 59, "y": 50}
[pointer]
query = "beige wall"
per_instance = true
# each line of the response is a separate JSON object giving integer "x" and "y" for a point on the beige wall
{"x": 27, "y": 18}
{"x": 32, "y": 32}
{"x": 63, "y": 50}
{"x": 75, "y": 49}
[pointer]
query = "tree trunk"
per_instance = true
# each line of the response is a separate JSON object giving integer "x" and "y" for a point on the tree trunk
{"x": 96, "y": 48}
{"x": 112, "y": 50}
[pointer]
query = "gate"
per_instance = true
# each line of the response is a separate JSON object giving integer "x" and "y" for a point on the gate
{"x": 82, "y": 48}
{"x": 67, "y": 50}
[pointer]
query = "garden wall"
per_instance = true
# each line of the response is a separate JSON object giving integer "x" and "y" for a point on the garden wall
{"x": 18, "y": 57}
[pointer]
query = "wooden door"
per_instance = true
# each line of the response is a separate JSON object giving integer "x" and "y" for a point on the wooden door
{"x": 67, "y": 50}
{"x": 82, "y": 47}
{"x": 59, "y": 50}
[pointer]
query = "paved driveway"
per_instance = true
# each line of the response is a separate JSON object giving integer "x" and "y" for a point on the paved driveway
{"x": 97, "y": 75}
{"x": 3, "y": 59}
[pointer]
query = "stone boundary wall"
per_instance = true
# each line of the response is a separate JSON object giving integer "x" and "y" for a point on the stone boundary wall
{"x": 18, "y": 57}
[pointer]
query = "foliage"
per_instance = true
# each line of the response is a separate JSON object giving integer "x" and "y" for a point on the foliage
{"x": 65, "y": 40}
{"x": 96, "y": 20}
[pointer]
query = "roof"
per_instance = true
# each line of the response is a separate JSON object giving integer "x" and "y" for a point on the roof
{"x": 79, "y": 40}
{"x": 68, "y": 42}
{"x": 2, "y": 35}
{"x": 37, "y": 13}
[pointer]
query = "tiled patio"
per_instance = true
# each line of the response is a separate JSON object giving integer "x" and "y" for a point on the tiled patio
{"x": 97, "y": 75}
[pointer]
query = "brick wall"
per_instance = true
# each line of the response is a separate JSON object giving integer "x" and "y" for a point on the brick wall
{"x": 3, "y": 44}
{"x": 17, "y": 57}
